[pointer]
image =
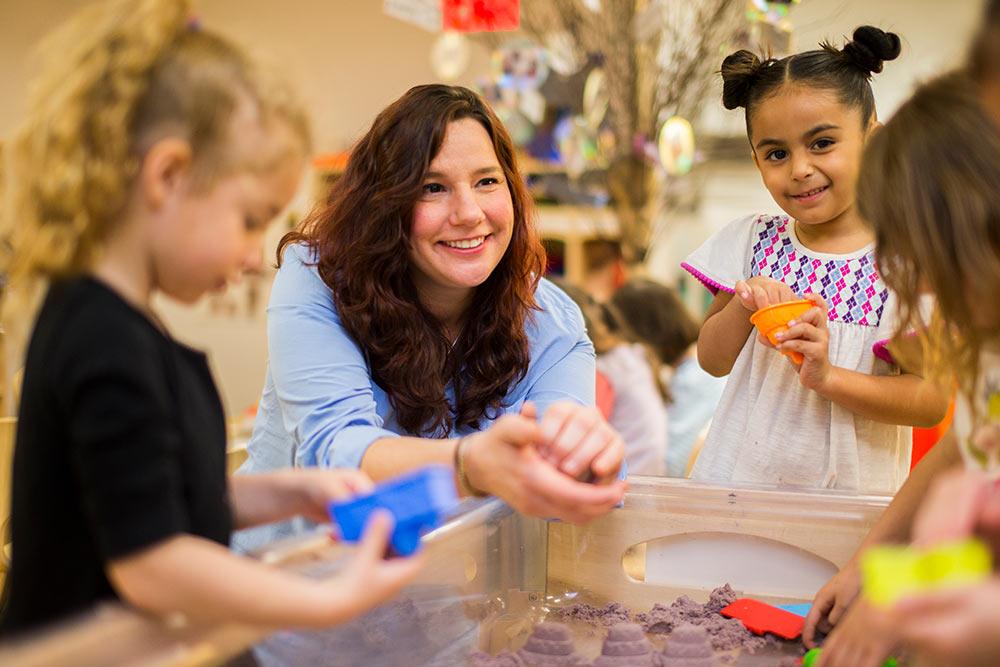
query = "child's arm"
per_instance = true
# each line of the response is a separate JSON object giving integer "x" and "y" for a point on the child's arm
{"x": 902, "y": 399}
{"x": 894, "y": 526}
{"x": 279, "y": 495}
{"x": 727, "y": 323}
{"x": 204, "y": 580}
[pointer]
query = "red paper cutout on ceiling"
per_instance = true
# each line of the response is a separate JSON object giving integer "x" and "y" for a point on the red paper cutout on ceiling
{"x": 481, "y": 15}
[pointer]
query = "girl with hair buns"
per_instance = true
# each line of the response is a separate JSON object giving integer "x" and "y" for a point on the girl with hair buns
{"x": 409, "y": 324}
{"x": 153, "y": 157}
{"x": 831, "y": 421}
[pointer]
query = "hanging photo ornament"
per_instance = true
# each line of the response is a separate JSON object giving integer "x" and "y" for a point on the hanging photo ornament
{"x": 520, "y": 64}
{"x": 676, "y": 146}
{"x": 595, "y": 98}
{"x": 450, "y": 55}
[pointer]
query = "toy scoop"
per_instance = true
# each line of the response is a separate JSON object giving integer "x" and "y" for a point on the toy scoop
{"x": 772, "y": 320}
{"x": 419, "y": 502}
{"x": 759, "y": 617}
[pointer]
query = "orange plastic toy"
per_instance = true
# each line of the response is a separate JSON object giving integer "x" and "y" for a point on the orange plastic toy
{"x": 774, "y": 319}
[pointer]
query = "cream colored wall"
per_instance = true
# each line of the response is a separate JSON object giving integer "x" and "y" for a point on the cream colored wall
{"x": 347, "y": 57}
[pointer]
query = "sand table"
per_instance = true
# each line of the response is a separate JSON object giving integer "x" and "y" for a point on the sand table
{"x": 697, "y": 635}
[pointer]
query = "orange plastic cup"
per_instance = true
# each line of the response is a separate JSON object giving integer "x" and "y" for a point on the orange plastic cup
{"x": 774, "y": 319}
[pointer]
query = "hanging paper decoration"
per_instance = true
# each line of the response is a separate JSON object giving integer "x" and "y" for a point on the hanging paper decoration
{"x": 577, "y": 145}
{"x": 771, "y": 12}
{"x": 520, "y": 128}
{"x": 595, "y": 98}
{"x": 425, "y": 14}
{"x": 676, "y": 146}
{"x": 532, "y": 105}
{"x": 562, "y": 54}
{"x": 520, "y": 64}
{"x": 450, "y": 55}
{"x": 481, "y": 15}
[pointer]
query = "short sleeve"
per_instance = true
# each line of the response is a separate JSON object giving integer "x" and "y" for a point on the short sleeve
{"x": 723, "y": 260}
{"x": 124, "y": 442}
{"x": 321, "y": 377}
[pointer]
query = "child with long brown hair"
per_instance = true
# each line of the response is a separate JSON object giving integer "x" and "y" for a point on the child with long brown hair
{"x": 931, "y": 190}
{"x": 833, "y": 419}
{"x": 409, "y": 323}
{"x": 154, "y": 156}
{"x": 960, "y": 507}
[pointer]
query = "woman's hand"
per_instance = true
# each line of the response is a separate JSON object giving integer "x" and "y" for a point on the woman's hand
{"x": 831, "y": 602}
{"x": 507, "y": 460}
{"x": 808, "y": 335}
{"x": 578, "y": 440}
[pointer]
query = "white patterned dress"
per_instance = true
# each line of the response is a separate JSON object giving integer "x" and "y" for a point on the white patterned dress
{"x": 768, "y": 428}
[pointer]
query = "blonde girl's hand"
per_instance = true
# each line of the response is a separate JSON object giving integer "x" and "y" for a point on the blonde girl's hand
{"x": 865, "y": 637}
{"x": 951, "y": 509}
{"x": 316, "y": 488}
{"x": 760, "y": 292}
{"x": 830, "y": 603}
{"x": 809, "y": 336}
{"x": 506, "y": 461}
{"x": 369, "y": 578}
{"x": 954, "y": 626}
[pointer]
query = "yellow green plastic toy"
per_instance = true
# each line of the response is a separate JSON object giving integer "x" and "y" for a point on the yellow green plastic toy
{"x": 891, "y": 572}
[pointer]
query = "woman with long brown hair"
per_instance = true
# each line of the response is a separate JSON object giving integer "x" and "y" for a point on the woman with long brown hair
{"x": 409, "y": 324}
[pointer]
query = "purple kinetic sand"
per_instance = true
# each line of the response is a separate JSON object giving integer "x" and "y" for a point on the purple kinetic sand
{"x": 626, "y": 646}
{"x": 610, "y": 614}
{"x": 550, "y": 645}
{"x": 688, "y": 646}
{"x": 724, "y": 633}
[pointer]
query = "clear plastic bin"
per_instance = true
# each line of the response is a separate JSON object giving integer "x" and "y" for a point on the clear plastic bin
{"x": 492, "y": 574}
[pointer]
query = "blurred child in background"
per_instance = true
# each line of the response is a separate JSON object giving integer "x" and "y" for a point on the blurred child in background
{"x": 655, "y": 314}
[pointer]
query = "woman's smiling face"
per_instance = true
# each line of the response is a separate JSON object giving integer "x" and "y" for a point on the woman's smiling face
{"x": 464, "y": 218}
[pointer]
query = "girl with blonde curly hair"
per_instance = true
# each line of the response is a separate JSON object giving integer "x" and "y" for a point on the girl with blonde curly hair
{"x": 153, "y": 158}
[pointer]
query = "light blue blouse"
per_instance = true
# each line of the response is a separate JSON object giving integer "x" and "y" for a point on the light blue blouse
{"x": 320, "y": 406}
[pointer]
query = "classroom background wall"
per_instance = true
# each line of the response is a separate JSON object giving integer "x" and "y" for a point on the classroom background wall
{"x": 350, "y": 60}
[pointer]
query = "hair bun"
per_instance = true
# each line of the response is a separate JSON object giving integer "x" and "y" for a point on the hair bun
{"x": 738, "y": 73}
{"x": 871, "y": 47}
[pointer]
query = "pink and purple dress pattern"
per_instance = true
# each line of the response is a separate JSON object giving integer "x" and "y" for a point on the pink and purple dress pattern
{"x": 851, "y": 288}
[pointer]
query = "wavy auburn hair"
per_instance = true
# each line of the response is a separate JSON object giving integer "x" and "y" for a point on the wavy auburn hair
{"x": 361, "y": 237}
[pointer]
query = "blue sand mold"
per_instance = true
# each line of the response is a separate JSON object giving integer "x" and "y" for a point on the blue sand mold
{"x": 419, "y": 502}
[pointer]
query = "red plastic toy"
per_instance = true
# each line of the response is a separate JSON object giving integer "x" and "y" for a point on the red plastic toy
{"x": 760, "y": 617}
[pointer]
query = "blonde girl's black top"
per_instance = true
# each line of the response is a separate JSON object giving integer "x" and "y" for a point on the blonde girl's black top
{"x": 120, "y": 445}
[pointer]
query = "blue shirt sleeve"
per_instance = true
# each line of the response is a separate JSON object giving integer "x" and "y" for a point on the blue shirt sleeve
{"x": 563, "y": 357}
{"x": 321, "y": 379}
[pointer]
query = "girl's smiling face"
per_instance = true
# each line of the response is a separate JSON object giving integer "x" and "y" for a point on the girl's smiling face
{"x": 807, "y": 146}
